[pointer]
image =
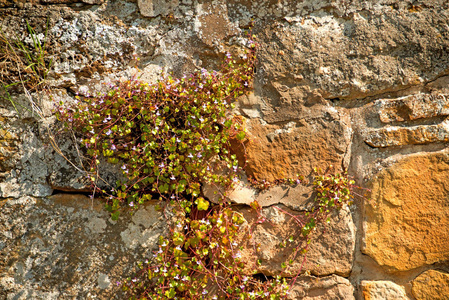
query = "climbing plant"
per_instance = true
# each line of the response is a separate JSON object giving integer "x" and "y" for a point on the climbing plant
{"x": 169, "y": 139}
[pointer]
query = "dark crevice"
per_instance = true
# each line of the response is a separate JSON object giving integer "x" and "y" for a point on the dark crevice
{"x": 71, "y": 192}
{"x": 76, "y": 5}
{"x": 262, "y": 277}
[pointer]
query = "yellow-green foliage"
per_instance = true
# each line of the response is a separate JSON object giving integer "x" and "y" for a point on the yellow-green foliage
{"x": 169, "y": 138}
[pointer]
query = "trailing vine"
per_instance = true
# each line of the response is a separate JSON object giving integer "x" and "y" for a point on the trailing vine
{"x": 168, "y": 139}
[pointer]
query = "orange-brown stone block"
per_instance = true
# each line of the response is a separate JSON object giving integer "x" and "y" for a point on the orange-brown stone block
{"x": 296, "y": 147}
{"x": 431, "y": 285}
{"x": 407, "y": 217}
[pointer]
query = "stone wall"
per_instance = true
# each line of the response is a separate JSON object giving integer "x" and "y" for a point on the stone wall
{"x": 360, "y": 85}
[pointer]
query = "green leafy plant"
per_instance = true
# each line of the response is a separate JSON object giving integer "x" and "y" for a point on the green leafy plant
{"x": 169, "y": 139}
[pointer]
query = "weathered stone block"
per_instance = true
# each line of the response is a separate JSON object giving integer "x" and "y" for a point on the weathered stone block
{"x": 412, "y": 107}
{"x": 153, "y": 8}
{"x": 431, "y": 284}
{"x": 66, "y": 246}
{"x": 406, "y": 219}
{"x": 381, "y": 290}
{"x": 321, "y": 288}
{"x": 212, "y": 24}
{"x": 297, "y": 146}
{"x": 414, "y": 135}
{"x": 331, "y": 250}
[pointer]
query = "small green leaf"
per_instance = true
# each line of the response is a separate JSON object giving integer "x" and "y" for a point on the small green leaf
{"x": 241, "y": 135}
{"x": 114, "y": 215}
{"x": 202, "y": 204}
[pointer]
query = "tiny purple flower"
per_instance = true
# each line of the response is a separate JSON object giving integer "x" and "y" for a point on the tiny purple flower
{"x": 131, "y": 204}
{"x": 228, "y": 55}
{"x": 113, "y": 147}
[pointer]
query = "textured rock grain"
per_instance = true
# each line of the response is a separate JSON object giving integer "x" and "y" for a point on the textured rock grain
{"x": 331, "y": 250}
{"x": 298, "y": 145}
{"x": 399, "y": 233}
{"x": 358, "y": 84}
{"x": 322, "y": 288}
{"x": 380, "y": 290}
{"x": 431, "y": 284}
{"x": 48, "y": 247}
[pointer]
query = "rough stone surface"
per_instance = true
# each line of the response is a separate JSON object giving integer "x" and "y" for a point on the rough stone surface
{"x": 296, "y": 197}
{"x": 36, "y": 155}
{"x": 298, "y": 145}
{"x": 380, "y": 290}
{"x": 412, "y": 107}
{"x": 331, "y": 250}
{"x": 431, "y": 284}
{"x": 367, "y": 53}
{"x": 152, "y": 8}
{"x": 212, "y": 22}
{"x": 399, "y": 136}
{"x": 357, "y": 84}
{"x": 322, "y": 288}
{"x": 399, "y": 233}
{"x": 49, "y": 246}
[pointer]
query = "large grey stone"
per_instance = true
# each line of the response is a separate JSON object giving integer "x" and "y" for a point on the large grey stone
{"x": 66, "y": 247}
